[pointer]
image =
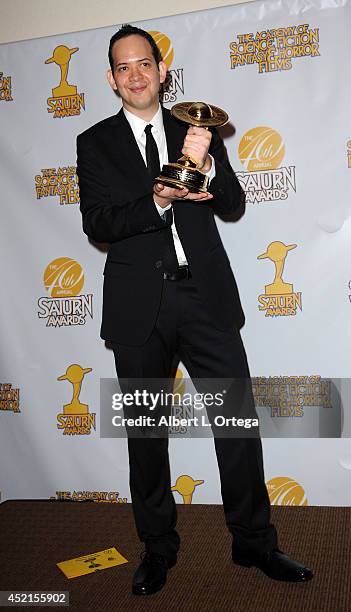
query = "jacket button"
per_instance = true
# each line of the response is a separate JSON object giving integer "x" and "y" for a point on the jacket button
{"x": 158, "y": 264}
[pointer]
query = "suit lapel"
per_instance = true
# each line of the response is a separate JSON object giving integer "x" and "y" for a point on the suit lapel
{"x": 128, "y": 152}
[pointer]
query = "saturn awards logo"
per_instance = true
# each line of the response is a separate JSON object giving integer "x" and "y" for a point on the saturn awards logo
{"x": 75, "y": 418}
{"x": 63, "y": 281}
{"x": 65, "y": 101}
{"x": 181, "y": 407}
{"x": 279, "y": 298}
{"x": 5, "y": 88}
{"x": 185, "y": 486}
{"x": 174, "y": 85}
{"x": 261, "y": 152}
{"x": 284, "y": 491}
{"x": 58, "y": 182}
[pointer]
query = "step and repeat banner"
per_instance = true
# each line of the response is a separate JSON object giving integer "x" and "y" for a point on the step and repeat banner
{"x": 281, "y": 71}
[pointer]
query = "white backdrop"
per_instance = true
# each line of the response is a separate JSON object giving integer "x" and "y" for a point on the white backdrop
{"x": 281, "y": 70}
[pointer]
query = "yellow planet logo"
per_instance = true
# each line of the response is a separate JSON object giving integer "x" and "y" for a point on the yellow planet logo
{"x": 75, "y": 374}
{"x": 63, "y": 277}
{"x": 284, "y": 491}
{"x": 165, "y": 46}
{"x": 185, "y": 486}
{"x": 261, "y": 148}
{"x": 61, "y": 57}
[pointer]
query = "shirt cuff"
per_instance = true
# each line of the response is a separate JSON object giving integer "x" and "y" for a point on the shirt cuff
{"x": 212, "y": 171}
{"x": 161, "y": 210}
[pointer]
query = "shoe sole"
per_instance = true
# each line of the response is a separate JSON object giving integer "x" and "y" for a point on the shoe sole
{"x": 244, "y": 563}
{"x": 136, "y": 592}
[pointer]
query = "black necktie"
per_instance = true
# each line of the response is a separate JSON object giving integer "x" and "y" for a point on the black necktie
{"x": 151, "y": 153}
{"x": 170, "y": 260}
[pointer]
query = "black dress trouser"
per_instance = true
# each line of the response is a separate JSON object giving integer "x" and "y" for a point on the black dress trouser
{"x": 183, "y": 328}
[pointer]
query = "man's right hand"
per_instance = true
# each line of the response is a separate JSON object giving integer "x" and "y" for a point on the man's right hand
{"x": 164, "y": 196}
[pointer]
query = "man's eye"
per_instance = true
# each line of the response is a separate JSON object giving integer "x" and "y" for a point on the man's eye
{"x": 122, "y": 68}
{"x": 146, "y": 64}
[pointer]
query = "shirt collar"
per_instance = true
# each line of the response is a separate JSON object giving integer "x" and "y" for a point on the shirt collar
{"x": 138, "y": 125}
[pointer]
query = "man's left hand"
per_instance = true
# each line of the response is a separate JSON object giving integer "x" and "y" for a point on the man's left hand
{"x": 164, "y": 195}
{"x": 196, "y": 145}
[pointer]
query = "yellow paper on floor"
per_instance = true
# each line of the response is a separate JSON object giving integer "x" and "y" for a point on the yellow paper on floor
{"x": 91, "y": 563}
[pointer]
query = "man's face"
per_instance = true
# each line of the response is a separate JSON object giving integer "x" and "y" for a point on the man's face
{"x": 136, "y": 76}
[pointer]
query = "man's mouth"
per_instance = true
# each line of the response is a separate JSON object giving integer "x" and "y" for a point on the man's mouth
{"x": 138, "y": 89}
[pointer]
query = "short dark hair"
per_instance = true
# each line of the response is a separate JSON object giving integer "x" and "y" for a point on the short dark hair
{"x": 129, "y": 30}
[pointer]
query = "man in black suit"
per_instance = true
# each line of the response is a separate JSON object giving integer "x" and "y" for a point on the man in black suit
{"x": 169, "y": 290}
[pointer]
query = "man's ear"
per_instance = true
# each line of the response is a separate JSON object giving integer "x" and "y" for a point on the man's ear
{"x": 163, "y": 71}
{"x": 111, "y": 79}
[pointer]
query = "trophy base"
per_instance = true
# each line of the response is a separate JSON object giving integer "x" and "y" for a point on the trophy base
{"x": 75, "y": 407}
{"x": 64, "y": 90}
{"x": 179, "y": 176}
{"x": 279, "y": 288}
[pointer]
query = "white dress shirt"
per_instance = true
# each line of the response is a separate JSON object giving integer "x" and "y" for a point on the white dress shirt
{"x": 138, "y": 128}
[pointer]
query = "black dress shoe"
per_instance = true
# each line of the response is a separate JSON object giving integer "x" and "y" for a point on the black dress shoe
{"x": 151, "y": 574}
{"x": 276, "y": 565}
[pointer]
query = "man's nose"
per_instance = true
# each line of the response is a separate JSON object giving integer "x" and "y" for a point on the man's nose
{"x": 134, "y": 72}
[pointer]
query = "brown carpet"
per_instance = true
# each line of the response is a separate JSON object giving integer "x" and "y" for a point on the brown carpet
{"x": 35, "y": 535}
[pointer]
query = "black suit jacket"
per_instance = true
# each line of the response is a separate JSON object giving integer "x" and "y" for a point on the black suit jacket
{"x": 117, "y": 206}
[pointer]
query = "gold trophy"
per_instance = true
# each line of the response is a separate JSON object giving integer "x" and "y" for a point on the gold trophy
{"x": 277, "y": 252}
{"x": 184, "y": 172}
{"x": 75, "y": 374}
{"x": 62, "y": 57}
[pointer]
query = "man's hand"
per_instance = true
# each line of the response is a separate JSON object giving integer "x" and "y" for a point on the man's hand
{"x": 165, "y": 195}
{"x": 196, "y": 145}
